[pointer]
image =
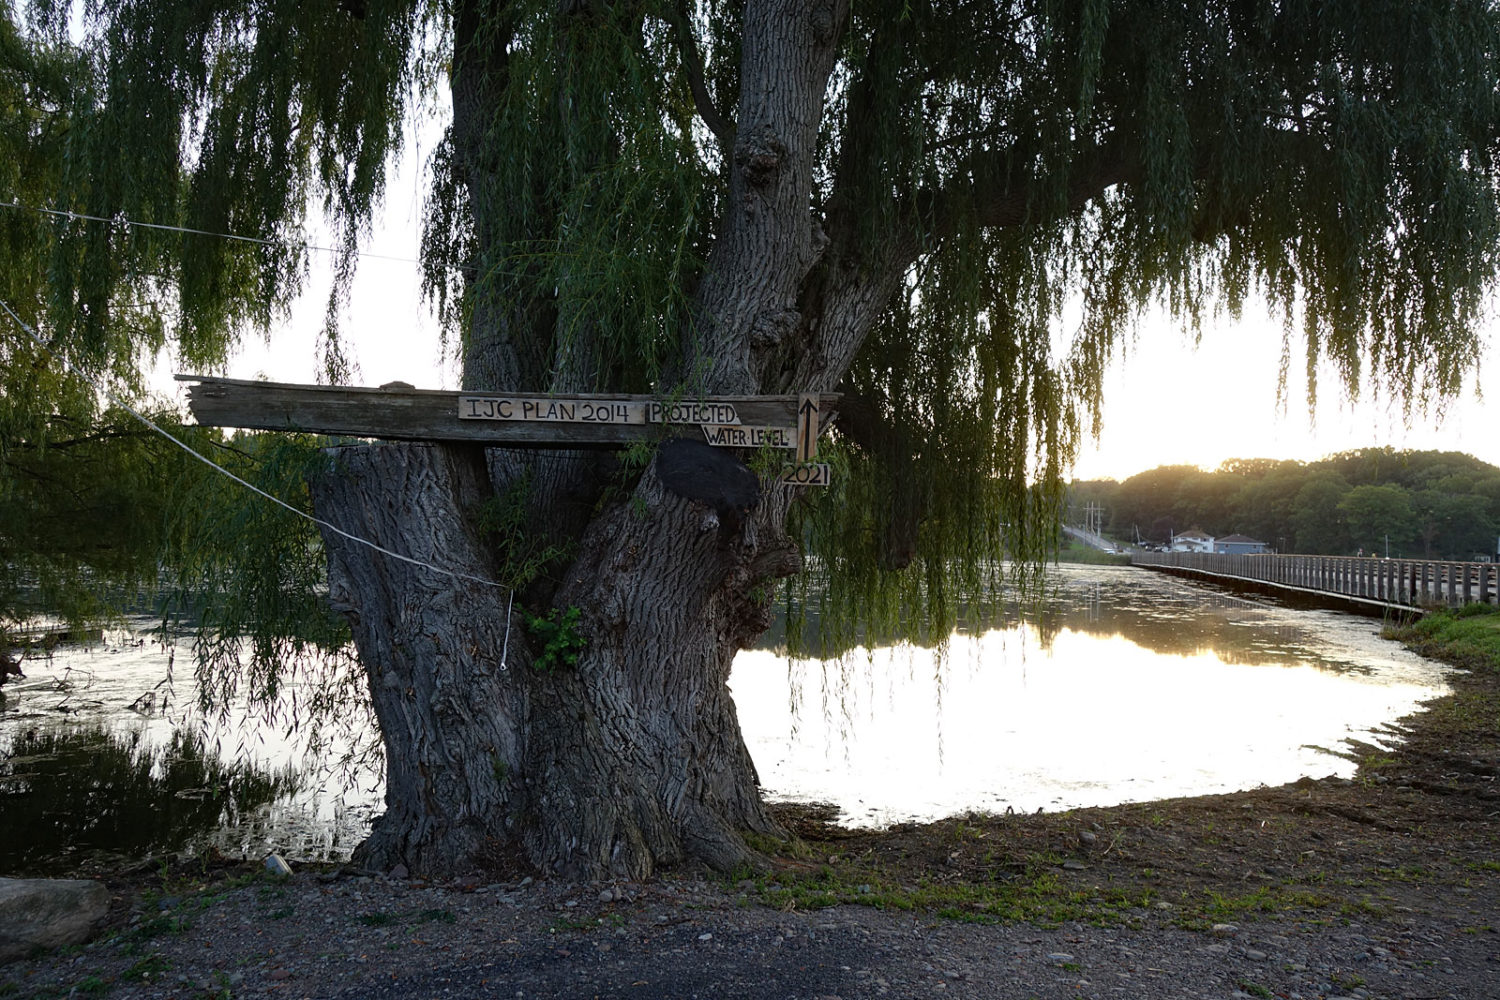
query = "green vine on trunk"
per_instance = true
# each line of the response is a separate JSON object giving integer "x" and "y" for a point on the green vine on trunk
{"x": 558, "y": 634}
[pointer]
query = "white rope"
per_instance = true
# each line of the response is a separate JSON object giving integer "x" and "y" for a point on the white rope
{"x": 251, "y": 486}
{"x": 505, "y": 647}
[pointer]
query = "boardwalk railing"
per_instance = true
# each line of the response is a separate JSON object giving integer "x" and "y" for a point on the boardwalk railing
{"x": 1409, "y": 583}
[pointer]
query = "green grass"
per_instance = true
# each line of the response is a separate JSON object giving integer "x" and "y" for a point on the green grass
{"x": 1468, "y": 636}
{"x": 377, "y": 919}
{"x": 1038, "y": 896}
{"x": 383, "y": 918}
{"x": 1076, "y": 552}
{"x": 151, "y": 967}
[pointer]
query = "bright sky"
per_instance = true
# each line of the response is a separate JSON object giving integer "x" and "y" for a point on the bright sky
{"x": 1165, "y": 403}
{"x": 1168, "y": 403}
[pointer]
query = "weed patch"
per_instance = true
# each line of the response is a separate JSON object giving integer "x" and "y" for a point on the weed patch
{"x": 151, "y": 967}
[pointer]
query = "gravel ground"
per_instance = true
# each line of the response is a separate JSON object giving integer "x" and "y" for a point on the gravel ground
{"x": 312, "y": 936}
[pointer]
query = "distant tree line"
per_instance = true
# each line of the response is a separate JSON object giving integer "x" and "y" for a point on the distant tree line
{"x": 1408, "y": 504}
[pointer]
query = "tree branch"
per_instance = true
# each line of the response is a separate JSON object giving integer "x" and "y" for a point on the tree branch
{"x": 1003, "y": 191}
{"x": 65, "y": 443}
{"x": 692, "y": 64}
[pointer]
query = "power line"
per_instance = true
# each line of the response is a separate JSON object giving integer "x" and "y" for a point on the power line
{"x": 162, "y": 227}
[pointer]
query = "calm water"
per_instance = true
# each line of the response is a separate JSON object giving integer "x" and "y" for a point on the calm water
{"x": 1125, "y": 685}
{"x": 1128, "y": 686}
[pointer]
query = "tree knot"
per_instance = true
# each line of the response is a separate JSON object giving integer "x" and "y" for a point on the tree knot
{"x": 820, "y": 18}
{"x": 772, "y": 327}
{"x": 758, "y": 152}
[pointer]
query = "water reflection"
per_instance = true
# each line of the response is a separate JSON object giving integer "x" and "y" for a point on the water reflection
{"x": 118, "y": 718}
{"x": 1120, "y": 685}
{"x": 69, "y": 793}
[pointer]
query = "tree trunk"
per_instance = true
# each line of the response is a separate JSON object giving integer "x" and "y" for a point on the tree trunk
{"x": 629, "y": 758}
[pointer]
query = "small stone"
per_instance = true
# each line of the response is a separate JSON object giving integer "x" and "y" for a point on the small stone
{"x": 1162, "y": 905}
{"x": 1255, "y": 956}
{"x": 705, "y": 937}
{"x": 1075, "y": 866}
{"x": 1225, "y": 930}
{"x": 1088, "y": 836}
{"x": 276, "y": 865}
{"x": 279, "y": 974}
{"x": 400, "y": 871}
{"x": 1059, "y": 957}
{"x": 606, "y": 896}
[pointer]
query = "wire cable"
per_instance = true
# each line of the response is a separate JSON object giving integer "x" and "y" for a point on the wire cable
{"x": 162, "y": 227}
{"x": 248, "y": 485}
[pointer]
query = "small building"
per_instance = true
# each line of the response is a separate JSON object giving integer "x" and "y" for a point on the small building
{"x": 1239, "y": 545}
{"x": 1192, "y": 541}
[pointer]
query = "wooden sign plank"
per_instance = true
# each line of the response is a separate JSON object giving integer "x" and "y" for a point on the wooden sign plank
{"x": 566, "y": 411}
{"x": 749, "y": 436}
{"x": 400, "y": 412}
{"x": 587, "y": 410}
{"x": 807, "y": 474}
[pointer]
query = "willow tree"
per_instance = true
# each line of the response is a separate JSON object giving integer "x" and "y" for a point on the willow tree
{"x": 949, "y": 211}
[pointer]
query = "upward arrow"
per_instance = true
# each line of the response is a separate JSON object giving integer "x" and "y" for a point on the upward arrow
{"x": 807, "y": 428}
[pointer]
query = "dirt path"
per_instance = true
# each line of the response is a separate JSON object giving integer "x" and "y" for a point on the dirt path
{"x": 1387, "y": 885}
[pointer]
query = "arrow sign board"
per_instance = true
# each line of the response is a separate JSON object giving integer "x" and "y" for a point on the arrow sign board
{"x": 807, "y": 428}
{"x": 808, "y": 474}
{"x": 748, "y": 436}
{"x": 397, "y": 411}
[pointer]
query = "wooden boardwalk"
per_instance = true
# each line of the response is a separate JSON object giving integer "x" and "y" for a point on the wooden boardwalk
{"x": 1391, "y": 583}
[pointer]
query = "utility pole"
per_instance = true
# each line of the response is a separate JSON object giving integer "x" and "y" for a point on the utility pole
{"x": 1093, "y": 519}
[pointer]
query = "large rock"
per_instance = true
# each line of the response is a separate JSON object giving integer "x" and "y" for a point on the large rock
{"x": 47, "y": 913}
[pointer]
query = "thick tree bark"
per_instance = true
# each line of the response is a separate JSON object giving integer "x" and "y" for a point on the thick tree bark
{"x": 631, "y": 758}
{"x": 768, "y": 240}
{"x": 432, "y": 647}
